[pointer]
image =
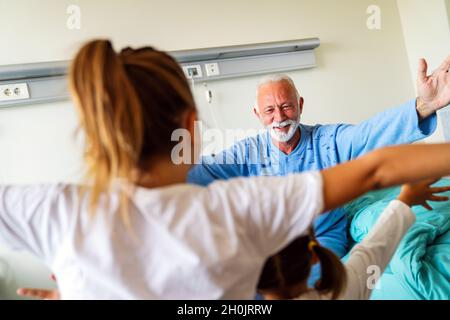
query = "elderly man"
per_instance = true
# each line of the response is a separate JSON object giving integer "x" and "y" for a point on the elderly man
{"x": 287, "y": 146}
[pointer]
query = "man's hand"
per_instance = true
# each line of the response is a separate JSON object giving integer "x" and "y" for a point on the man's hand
{"x": 434, "y": 90}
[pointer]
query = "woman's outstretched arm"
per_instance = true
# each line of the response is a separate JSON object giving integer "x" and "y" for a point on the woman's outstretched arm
{"x": 384, "y": 168}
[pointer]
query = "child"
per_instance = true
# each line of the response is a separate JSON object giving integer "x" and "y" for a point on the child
{"x": 285, "y": 274}
{"x": 137, "y": 230}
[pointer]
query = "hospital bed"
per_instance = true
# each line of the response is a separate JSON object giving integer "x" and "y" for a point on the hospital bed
{"x": 420, "y": 268}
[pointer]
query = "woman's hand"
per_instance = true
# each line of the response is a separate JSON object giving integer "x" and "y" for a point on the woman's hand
{"x": 421, "y": 192}
{"x": 39, "y": 293}
{"x": 44, "y": 294}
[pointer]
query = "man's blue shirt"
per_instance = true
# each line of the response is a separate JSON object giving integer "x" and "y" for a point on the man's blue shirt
{"x": 320, "y": 146}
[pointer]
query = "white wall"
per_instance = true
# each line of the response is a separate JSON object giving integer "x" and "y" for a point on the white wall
{"x": 427, "y": 34}
{"x": 359, "y": 72}
{"x": 447, "y": 4}
{"x": 349, "y": 51}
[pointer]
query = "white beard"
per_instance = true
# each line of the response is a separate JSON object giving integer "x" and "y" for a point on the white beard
{"x": 282, "y": 136}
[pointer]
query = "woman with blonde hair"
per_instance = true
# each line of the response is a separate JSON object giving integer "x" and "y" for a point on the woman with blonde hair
{"x": 136, "y": 230}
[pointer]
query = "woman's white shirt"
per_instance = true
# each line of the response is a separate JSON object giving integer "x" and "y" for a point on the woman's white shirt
{"x": 186, "y": 241}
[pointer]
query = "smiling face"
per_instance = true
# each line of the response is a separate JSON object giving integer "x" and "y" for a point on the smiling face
{"x": 279, "y": 109}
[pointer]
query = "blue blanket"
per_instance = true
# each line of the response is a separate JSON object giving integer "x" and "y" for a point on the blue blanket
{"x": 420, "y": 268}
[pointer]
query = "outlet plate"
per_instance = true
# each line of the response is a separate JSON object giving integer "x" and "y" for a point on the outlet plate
{"x": 212, "y": 69}
{"x": 14, "y": 91}
{"x": 193, "y": 71}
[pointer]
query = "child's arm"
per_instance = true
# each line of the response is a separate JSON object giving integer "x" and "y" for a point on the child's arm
{"x": 371, "y": 256}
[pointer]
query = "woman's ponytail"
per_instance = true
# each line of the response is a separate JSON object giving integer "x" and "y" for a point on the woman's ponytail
{"x": 111, "y": 116}
{"x": 129, "y": 104}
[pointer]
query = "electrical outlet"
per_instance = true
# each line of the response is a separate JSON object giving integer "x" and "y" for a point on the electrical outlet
{"x": 14, "y": 91}
{"x": 193, "y": 71}
{"x": 212, "y": 69}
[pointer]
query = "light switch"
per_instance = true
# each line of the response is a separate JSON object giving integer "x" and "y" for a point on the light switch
{"x": 212, "y": 69}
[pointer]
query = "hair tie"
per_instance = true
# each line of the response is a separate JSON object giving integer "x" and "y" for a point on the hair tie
{"x": 312, "y": 244}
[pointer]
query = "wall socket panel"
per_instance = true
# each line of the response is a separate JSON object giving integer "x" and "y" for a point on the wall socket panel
{"x": 193, "y": 71}
{"x": 212, "y": 69}
{"x": 14, "y": 91}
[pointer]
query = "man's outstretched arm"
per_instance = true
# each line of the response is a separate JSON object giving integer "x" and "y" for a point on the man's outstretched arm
{"x": 411, "y": 122}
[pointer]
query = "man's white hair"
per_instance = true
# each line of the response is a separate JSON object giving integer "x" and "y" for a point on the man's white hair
{"x": 275, "y": 78}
